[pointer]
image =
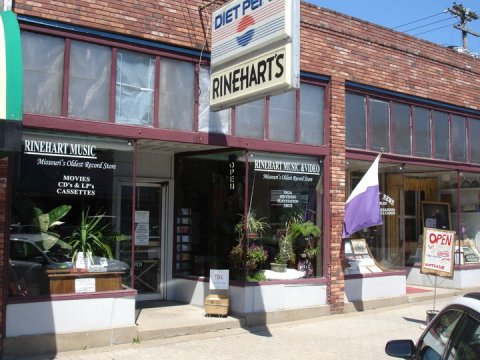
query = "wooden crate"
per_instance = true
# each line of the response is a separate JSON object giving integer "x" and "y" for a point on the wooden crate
{"x": 216, "y": 304}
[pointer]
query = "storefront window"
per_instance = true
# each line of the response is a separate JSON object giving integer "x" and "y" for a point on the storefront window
{"x": 380, "y": 248}
{"x": 134, "y": 94}
{"x": 210, "y": 210}
{"x": 175, "y": 104}
{"x": 60, "y": 183}
{"x": 413, "y": 197}
{"x": 89, "y": 83}
{"x": 42, "y": 73}
{"x": 464, "y": 214}
{"x": 210, "y": 121}
{"x": 209, "y": 193}
{"x": 286, "y": 192}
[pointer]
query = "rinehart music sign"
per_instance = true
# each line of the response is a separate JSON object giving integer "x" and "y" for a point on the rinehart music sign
{"x": 68, "y": 162}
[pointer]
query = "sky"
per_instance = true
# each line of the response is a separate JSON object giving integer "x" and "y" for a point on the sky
{"x": 423, "y": 19}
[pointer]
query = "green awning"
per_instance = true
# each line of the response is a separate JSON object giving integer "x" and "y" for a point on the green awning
{"x": 11, "y": 80}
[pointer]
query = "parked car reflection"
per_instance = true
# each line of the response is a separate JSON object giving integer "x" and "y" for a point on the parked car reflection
{"x": 32, "y": 254}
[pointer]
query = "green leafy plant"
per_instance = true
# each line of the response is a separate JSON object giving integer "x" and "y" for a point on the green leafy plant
{"x": 88, "y": 236}
{"x": 252, "y": 224}
{"x": 285, "y": 253}
{"x": 305, "y": 232}
{"x": 305, "y": 229}
{"x": 46, "y": 222}
{"x": 257, "y": 276}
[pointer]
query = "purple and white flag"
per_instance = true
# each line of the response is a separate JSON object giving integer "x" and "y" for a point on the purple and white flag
{"x": 362, "y": 208}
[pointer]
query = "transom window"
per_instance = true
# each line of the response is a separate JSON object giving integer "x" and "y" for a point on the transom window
{"x": 110, "y": 84}
{"x": 413, "y": 130}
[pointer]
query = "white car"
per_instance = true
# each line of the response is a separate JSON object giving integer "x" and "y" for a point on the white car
{"x": 454, "y": 333}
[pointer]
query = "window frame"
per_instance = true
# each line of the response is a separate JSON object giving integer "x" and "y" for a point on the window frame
{"x": 452, "y": 114}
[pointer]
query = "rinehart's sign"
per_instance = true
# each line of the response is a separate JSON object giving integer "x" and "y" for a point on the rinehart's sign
{"x": 255, "y": 51}
{"x": 67, "y": 162}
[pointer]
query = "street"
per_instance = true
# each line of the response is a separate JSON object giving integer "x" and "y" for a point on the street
{"x": 358, "y": 336}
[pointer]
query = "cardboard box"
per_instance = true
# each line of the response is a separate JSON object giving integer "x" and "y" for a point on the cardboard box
{"x": 216, "y": 304}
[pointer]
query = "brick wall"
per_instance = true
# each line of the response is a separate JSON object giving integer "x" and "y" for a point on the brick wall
{"x": 337, "y": 193}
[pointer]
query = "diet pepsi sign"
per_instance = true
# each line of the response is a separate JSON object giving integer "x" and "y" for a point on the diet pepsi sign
{"x": 243, "y": 26}
{"x": 255, "y": 51}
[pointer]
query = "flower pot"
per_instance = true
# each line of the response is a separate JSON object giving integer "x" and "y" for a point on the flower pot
{"x": 278, "y": 267}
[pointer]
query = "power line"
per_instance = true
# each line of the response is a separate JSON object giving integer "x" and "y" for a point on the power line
{"x": 413, "y": 22}
{"x": 440, "y": 27}
{"x": 421, "y": 26}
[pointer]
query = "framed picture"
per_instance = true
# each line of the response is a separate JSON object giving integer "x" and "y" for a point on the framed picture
{"x": 436, "y": 215}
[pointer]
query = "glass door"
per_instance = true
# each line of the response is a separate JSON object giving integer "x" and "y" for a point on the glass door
{"x": 147, "y": 236}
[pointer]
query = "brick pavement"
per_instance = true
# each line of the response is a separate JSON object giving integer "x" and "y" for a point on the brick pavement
{"x": 355, "y": 336}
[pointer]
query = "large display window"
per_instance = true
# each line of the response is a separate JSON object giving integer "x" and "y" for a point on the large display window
{"x": 413, "y": 197}
{"x": 277, "y": 222}
{"x": 65, "y": 214}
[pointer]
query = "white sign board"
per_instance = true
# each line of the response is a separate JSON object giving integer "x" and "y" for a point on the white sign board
{"x": 142, "y": 227}
{"x": 438, "y": 252}
{"x": 82, "y": 261}
{"x": 84, "y": 285}
{"x": 270, "y": 73}
{"x": 219, "y": 279}
{"x": 242, "y": 27}
{"x": 255, "y": 51}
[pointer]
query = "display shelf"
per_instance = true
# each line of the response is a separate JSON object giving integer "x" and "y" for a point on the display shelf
{"x": 183, "y": 228}
{"x": 359, "y": 258}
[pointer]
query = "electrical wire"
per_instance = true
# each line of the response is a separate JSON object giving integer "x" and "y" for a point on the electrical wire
{"x": 413, "y": 22}
{"x": 435, "y": 22}
{"x": 440, "y": 27}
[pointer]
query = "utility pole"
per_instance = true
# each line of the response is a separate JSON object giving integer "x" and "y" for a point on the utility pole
{"x": 465, "y": 15}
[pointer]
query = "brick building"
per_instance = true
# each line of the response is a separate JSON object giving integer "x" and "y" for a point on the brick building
{"x": 116, "y": 126}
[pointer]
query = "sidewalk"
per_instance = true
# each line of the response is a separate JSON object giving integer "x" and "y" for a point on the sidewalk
{"x": 162, "y": 319}
{"x": 169, "y": 322}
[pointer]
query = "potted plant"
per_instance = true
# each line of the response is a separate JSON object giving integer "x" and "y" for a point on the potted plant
{"x": 255, "y": 256}
{"x": 255, "y": 227}
{"x": 87, "y": 238}
{"x": 304, "y": 234}
{"x": 285, "y": 254}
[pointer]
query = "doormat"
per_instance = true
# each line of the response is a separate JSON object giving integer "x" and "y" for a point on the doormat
{"x": 413, "y": 290}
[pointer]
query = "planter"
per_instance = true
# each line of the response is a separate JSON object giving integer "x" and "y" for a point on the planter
{"x": 278, "y": 267}
{"x": 66, "y": 282}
